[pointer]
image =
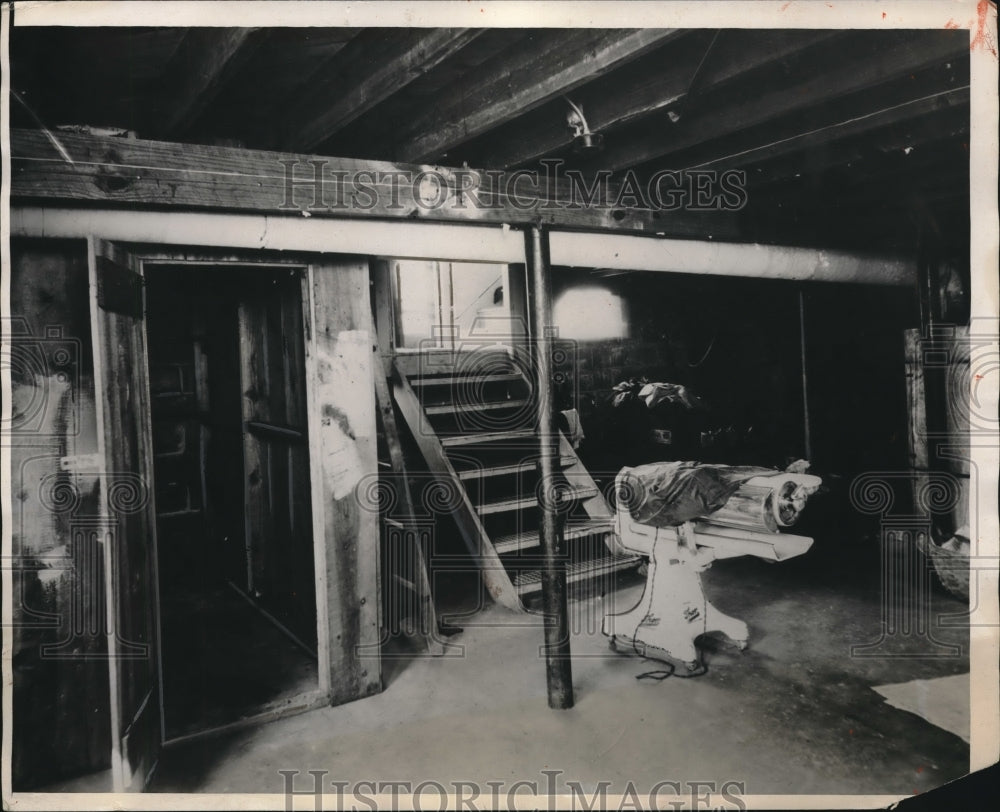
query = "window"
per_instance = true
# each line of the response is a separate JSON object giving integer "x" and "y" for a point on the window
{"x": 589, "y": 314}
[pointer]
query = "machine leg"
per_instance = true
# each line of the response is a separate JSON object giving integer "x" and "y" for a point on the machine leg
{"x": 664, "y": 624}
{"x": 735, "y": 630}
{"x": 623, "y": 626}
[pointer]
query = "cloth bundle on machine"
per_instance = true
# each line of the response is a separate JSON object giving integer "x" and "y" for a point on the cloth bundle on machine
{"x": 667, "y": 494}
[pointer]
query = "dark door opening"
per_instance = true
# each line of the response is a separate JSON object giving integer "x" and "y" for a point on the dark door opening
{"x": 231, "y": 469}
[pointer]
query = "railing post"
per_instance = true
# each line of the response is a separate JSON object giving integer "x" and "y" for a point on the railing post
{"x": 558, "y": 668}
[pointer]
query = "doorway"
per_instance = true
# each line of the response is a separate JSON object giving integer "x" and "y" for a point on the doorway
{"x": 235, "y": 556}
{"x": 454, "y": 306}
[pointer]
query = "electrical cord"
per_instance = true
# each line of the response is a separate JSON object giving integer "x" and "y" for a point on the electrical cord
{"x": 659, "y": 676}
{"x": 701, "y": 360}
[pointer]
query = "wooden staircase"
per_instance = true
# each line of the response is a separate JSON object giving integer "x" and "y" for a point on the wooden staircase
{"x": 473, "y": 416}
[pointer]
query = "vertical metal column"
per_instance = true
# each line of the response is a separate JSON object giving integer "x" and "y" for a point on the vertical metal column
{"x": 806, "y": 430}
{"x": 558, "y": 669}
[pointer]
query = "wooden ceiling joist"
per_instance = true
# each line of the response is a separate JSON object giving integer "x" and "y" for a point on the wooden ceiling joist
{"x": 916, "y": 121}
{"x": 912, "y": 56}
{"x": 209, "y": 57}
{"x": 553, "y": 63}
{"x": 649, "y": 87}
{"x": 360, "y": 79}
{"x": 795, "y": 109}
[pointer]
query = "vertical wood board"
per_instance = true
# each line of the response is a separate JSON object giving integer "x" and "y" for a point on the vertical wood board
{"x": 344, "y": 453}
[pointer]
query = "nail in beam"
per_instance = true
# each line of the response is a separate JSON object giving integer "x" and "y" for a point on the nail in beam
{"x": 558, "y": 669}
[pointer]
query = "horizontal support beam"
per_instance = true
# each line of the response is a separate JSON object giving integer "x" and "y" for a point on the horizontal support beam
{"x": 442, "y": 241}
{"x": 635, "y": 253}
{"x": 137, "y": 173}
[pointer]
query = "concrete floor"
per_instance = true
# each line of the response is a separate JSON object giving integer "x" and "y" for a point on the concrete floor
{"x": 793, "y": 714}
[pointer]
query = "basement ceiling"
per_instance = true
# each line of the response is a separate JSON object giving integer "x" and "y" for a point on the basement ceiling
{"x": 847, "y": 138}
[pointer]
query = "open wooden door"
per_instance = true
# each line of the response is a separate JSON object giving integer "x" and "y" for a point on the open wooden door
{"x": 125, "y": 469}
{"x": 279, "y": 555}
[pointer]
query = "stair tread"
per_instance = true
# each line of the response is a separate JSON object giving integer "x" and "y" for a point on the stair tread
{"x": 487, "y": 437}
{"x": 509, "y": 468}
{"x": 512, "y": 542}
{"x": 455, "y": 408}
{"x": 531, "y": 499}
{"x": 528, "y": 581}
{"x": 432, "y": 380}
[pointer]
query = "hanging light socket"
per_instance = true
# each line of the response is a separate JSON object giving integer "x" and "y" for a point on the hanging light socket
{"x": 584, "y": 141}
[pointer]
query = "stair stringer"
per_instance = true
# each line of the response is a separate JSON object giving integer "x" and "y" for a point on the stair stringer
{"x": 477, "y": 540}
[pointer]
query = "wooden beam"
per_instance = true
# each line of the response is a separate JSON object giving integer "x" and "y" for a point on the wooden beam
{"x": 135, "y": 173}
{"x": 210, "y": 57}
{"x": 633, "y": 253}
{"x": 362, "y": 76}
{"x": 515, "y": 82}
{"x": 340, "y": 369}
{"x": 895, "y": 102}
{"x": 294, "y": 59}
{"x": 656, "y": 82}
{"x": 911, "y": 124}
{"x": 916, "y": 52}
{"x": 384, "y": 316}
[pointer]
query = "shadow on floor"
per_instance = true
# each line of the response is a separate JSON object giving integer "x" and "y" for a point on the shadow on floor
{"x": 223, "y": 660}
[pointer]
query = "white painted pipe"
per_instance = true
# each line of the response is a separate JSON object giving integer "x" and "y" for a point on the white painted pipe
{"x": 641, "y": 253}
{"x": 460, "y": 242}
{"x": 411, "y": 240}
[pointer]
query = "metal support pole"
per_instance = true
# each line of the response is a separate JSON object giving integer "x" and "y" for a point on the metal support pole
{"x": 558, "y": 669}
{"x": 807, "y": 433}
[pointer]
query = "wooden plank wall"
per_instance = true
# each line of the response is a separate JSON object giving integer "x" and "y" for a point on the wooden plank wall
{"x": 61, "y": 704}
{"x": 341, "y": 400}
{"x": 178, "y": 367}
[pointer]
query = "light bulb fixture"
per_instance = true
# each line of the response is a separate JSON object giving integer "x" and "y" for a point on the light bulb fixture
{"x": 583, "y": 139}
